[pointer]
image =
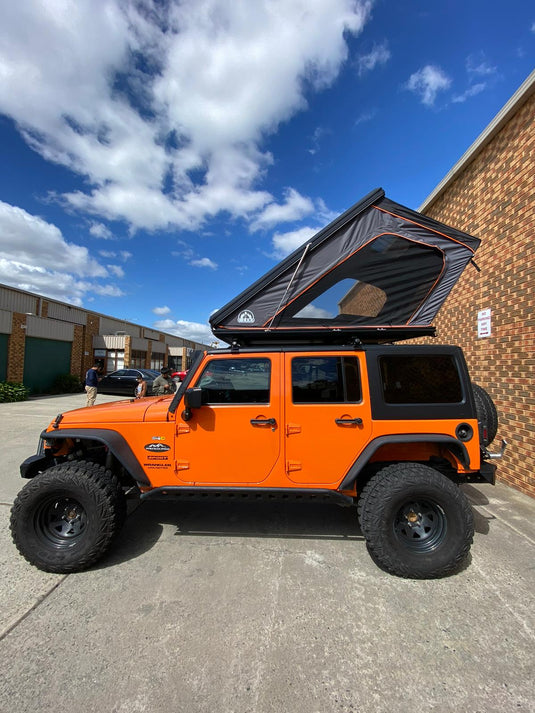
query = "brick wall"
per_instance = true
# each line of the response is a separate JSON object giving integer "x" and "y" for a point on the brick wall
{"x": 91, "y": 330}
{"x": 15, "y": 348}
{"x": 493, "y": 199}
{"x": 77, "y": 353}
{"x": 128, "y": 350}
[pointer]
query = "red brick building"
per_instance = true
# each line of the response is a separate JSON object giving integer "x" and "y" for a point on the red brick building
{"x": 489, "y": 193}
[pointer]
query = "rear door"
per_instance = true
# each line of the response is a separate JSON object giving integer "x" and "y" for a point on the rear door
{"x": 234, "y": 438}
{"x": 327, "y": 419}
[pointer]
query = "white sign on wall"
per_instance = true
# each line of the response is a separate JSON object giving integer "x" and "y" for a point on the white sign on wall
{"x": 484, "y": 326}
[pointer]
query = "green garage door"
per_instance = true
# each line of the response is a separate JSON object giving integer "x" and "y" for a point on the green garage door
{"x": 44, "y": 359}
{"x": 4, "y": 338}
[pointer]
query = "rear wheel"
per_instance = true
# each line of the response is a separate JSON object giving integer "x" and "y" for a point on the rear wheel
{"x": 416, "y": 522}
{"x": 66, "y": 518}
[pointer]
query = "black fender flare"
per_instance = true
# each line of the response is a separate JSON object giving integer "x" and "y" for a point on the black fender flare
{"x": 452, "y": 443}
{"x": 117, "y": 445}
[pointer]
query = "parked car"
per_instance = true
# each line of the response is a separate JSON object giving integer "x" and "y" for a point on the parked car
{"x": 123, "y": 381}
{"x": 179, "y": 375}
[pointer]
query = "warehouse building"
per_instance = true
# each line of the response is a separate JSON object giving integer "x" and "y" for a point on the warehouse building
{"x": 41, "y": 338}
{"x": 489, "y": 193}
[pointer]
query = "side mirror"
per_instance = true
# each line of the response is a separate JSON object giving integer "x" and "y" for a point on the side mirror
{"x": 192, "y": 399}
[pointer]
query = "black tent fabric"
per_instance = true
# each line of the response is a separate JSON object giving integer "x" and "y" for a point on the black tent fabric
{"x": 378, "y": 272}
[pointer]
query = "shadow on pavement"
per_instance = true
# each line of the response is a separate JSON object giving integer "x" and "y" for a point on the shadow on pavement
{"x": 145, "y": 525}
{"x": 477, "y": 498}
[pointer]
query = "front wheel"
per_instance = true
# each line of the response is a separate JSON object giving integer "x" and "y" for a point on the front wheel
{"x": 65, "y": 519}
{"x": 416, "y": 522}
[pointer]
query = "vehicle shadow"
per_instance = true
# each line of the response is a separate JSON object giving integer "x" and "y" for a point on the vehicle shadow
{"x": 477, "y": 498}
{"x": 229, "y": 518}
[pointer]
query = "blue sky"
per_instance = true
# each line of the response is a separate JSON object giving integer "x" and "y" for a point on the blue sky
{"x": 159, "y": 156}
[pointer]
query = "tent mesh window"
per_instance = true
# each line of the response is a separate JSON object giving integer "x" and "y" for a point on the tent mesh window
{"x": 383, "y": 282}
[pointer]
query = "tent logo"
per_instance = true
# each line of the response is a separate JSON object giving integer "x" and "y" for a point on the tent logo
{"x": 246, "y": 317}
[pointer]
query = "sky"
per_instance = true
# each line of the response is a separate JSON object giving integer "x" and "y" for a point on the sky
{"x": 159, "y": 156}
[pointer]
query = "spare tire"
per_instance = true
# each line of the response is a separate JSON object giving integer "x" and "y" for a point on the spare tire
{"x": 487, "y": 414}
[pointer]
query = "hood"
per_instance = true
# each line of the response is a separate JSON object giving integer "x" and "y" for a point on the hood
{"x": 379, "y": 272}
{"x": 125, "y": 411}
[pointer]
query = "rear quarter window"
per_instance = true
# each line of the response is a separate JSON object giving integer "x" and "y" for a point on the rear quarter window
{"x": 420, "y": 379}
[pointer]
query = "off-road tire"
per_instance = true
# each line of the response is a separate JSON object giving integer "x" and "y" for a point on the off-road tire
{"x": 65, "y": 519}
{"x": 486, "y": 412}
{"x": 417, "y": 523}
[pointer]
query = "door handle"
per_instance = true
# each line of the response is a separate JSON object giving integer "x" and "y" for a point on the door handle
{"x": 264, "y": 422}
{"x": 348, "y": 421}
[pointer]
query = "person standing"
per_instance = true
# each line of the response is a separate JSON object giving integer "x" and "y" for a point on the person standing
{"x": 91, "y": 384}
{"x": 141, "y": 388}
{"x": 163, "y": 384}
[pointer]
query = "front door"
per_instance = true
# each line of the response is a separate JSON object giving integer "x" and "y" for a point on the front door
{"x": 327, "y": 420}
{"x": 234, "y": 438}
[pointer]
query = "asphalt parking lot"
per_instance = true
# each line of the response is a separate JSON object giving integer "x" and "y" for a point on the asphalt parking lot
{"x": 262, "y": 608}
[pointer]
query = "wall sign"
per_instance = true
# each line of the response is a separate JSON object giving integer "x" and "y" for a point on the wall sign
{"x": 484, "y": 325}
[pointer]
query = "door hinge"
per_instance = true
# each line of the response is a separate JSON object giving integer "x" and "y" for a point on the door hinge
{"x": 181, "y": 465}
{"x": 292, "y": 428}
{"x": 293, "y": 465}
{"x": 182, "y": 428}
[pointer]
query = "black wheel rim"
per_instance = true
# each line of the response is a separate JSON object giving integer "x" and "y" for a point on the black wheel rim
{"x": 60, "y": 522}
{"x": 420, "y": 525}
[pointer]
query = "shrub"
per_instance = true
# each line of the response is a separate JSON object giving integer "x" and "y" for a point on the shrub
{"x": 11, "y": 391}
{"x": 66, "y": 384}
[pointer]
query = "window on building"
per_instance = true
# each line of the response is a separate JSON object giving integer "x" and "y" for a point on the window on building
{"x": 325, "y": 380}
{"x": 138, "y": 359}
{"x": 156, "y": 361}
{"x": 114, "y": 360}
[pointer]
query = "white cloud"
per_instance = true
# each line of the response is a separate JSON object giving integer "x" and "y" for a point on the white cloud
{"x": 123, "y": 255}
{"x": 472, "y": 91}
{"x": 116, "y": 270}
{"x": 379, "y": 55}
{"x": 317, "y": 136}
{"x": 195, "y": 331}
{"x": 427, "y": 83}
{"x": 162, "y": 310}
{"x": 35, "y": 256}
{"x": 285, "y": 243}
{"x": 365, "y": 117}
{"x": 294, "y": 207}
{"x": 161, "y": 107}
{"x": 99, "y": 230}
{"x": 204, "y": 262}
{"x": 477, "y": 66}
{"x": 314, "y": 312}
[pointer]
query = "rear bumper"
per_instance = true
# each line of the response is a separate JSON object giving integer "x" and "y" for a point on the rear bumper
{"x": 488, "y": 472}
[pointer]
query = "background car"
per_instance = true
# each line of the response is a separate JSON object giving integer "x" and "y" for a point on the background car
{"x": 179, "y": 375}
{"x": 124, "y": 381}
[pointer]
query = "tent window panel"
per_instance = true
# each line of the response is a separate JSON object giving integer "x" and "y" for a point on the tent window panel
{"x": 382, "y": 283}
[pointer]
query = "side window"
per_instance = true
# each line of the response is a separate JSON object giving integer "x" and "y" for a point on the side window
{"x": 236, "y": 381}
{"x": 417, "y": 379}
{"x": 325, "y": 380}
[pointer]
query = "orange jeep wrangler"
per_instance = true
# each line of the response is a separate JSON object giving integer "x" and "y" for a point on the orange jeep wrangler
{"x": 307, "y": 402}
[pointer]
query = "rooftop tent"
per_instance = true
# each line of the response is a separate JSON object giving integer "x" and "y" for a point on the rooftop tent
{"x": 378, "y": 272}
